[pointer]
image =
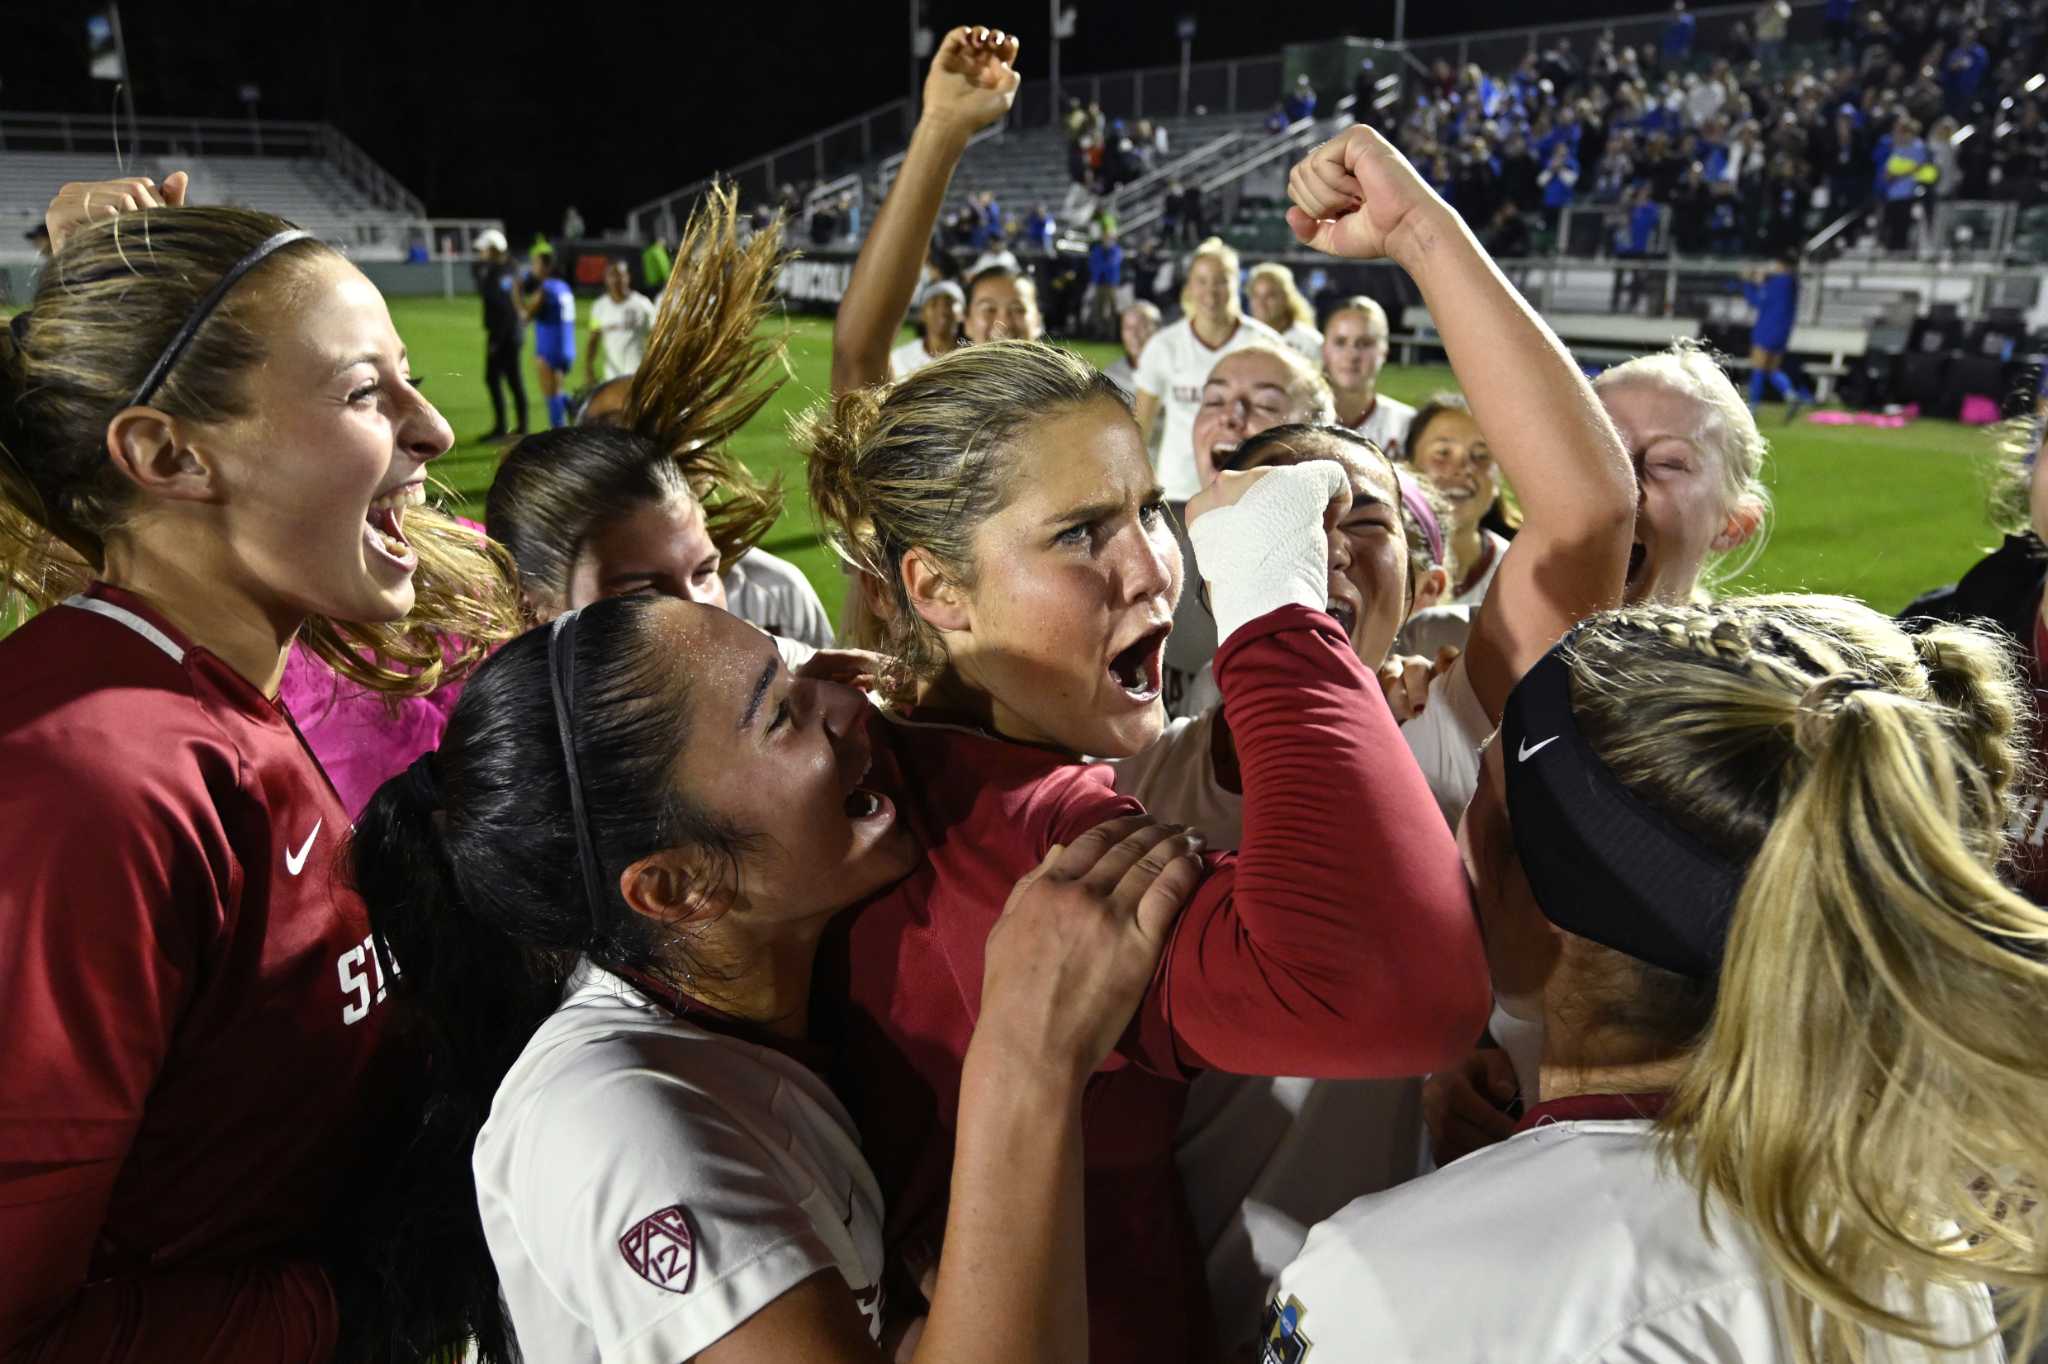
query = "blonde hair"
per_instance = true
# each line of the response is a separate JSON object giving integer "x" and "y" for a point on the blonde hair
{"x": 107, "y": 306}
{"x": 1307, "y": 389}
{"x": 1866, "y": 1076}
{"x": 922, "y": 463}
{"x": 1225, "y": 255}
{"x": 1727, "y": 427}
{"x": 2011, "y": 477}
{"x": 1359, "y": 303}
{"x": 1300, "y": 311}
{"x": 710, "y": 367}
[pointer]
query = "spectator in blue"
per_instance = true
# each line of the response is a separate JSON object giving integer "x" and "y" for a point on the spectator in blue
{"x": 1775, "y": 296}
{"x": 1906, "y": 172}
{"x": 991, "y": 220}
{"x": 1040, "y": 229}
{"x": 1558, "y": 179}
{"x": 1678, "y": 35}
{"x": 1635, "y": 234}
{"x": 1962, "y": 75}
{"x": 1105, "y": 281}
{"x": 1301, "y": 101}
{"x": 1277, "y": 121}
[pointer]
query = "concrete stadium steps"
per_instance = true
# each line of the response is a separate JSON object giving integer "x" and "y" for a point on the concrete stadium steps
{"x": 306, "y": 190}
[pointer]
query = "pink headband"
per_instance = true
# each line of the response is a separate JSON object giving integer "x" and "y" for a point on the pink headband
{"x": 1413, "y": 499}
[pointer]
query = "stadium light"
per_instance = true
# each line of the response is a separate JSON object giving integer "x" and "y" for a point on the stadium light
{"x": 2038, "y": 80}
{"x": 1962, "y": 135}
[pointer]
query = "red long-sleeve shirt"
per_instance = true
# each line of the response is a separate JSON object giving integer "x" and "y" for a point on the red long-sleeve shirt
{"x": 192, "y": 1057}
{"x": 1339, "y": 941}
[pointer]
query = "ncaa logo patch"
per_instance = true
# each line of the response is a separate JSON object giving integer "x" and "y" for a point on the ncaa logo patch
{"x": 1280, "y": 1337}
{"x": 661, "y": 1250}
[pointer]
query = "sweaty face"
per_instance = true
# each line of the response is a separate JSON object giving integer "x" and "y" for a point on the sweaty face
{"x": 1269, "y": 303}
{"x": 658, "y": 547}
{"x": 1003, "y": 309}
{"x": 1354, "y": 348}
{"x": 1136, "y": 328}
{"x": 1368, "y": 549}
{"x": 1453, "y": 455}
{"x": 788, "y": 759}
{"x": 1211, "y": 291}
{"x": 1246, "y": 393}
{"x": 316, "y": 478}
{"x": 1683, "y": 515}
{"x": 1076, "y": 580}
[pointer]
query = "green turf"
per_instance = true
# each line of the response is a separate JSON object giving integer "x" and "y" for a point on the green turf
{"x": 1878, "y": 514}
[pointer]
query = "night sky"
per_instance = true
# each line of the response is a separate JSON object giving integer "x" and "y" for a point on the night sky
{"x": 482, "y": 112}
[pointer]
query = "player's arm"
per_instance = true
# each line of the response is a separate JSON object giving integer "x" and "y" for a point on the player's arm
{"x": 1066, "y": 964}
{"x": 972, "y": 81}
{"x": 1357, "y": 196}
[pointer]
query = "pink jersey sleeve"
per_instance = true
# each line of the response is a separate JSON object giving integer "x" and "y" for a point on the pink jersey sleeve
{"x": 1340, "y": 940}
{"x": 107, "y": 903}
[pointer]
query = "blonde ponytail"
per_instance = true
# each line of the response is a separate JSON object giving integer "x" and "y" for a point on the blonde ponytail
{"x": 1870, "y": 1095}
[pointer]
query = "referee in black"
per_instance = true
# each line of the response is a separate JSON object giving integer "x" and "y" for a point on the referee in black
{"x": 503, "y": 330}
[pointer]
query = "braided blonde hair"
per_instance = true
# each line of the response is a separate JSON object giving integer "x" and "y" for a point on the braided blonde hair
{"x": 1868, "y": 1076}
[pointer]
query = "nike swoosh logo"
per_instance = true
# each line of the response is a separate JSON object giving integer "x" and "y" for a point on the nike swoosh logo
{"x": 295, "y": 862}
{"x": 1524, "y": 752}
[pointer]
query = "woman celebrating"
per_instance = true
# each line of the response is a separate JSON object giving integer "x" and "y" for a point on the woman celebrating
{"x": 607, "y": 889}
{"x": 1446, "y": 445}
{"x": 207, "y": 414}
{"x": 1176, "y": 362}
{"x": 1739, "y": 853}
{"x": 1277, "y": 303}
{"x": 1354, "y": 352}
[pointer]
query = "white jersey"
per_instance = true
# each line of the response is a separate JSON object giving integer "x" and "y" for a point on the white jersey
{"x": 775, "y": 595}
{"x": 1447, "y": 738}
{"x": 908, "y": 358}
{"x": 1494, "y": 549}
{"x": 1307, "y": 340}
{"x": 1175, "y": 779}
{"x": 1571, "y": 1241}
{"x": 622, "y": 329}
{"x": 647, "y": 1185}
{"x": 1173, "y": 367}
{"x": 1386, "y": 424}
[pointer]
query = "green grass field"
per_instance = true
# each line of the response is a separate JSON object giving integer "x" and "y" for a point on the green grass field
{"x": 1877, "y": 514}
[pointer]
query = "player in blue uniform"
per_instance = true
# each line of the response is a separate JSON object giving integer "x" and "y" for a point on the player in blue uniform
{"x": 551, "y": 307}
{"x": 1775, "y": 296}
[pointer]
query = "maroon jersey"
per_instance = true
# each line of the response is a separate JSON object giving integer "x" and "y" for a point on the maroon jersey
{"x": 1340, "y": 941}
{"x": 192, "y": 1031}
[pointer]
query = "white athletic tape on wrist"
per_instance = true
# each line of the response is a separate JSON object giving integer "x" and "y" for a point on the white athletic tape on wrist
{"x": 1268, "y": 549}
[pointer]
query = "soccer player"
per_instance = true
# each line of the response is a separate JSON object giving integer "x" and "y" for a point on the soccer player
{"x": 551, "y": 307}
{"x": 496, "y": 285}
{"x": 608, "y": 889}
{"x": 1031, "y": 625}
{"x": 1354, "y": 352}
{"x": 619, "y": 323}
{"x": 1774, "y": 293}
{"x": 1177, "y": 361}
{"x": 1276, "y": 302}
{"x": 939, "y": 314}
{"x": 218, "y": 440}
{"x": 1729, "y": 855}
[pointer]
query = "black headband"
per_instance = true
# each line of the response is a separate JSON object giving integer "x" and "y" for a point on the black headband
{"x": 562, "y": 678}
{"x": 1602, "y": 863}
{"x": 157, "y": 372}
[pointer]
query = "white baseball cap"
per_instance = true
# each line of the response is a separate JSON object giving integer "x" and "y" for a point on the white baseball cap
{"x": 490, "y": 239}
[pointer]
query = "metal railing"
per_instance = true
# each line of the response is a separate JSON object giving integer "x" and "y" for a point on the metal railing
{"x": 1290, "y": 141}
{"x": 1231, "y": 86}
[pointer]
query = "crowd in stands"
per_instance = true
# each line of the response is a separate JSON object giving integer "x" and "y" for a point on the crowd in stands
{"x": 1747, "y": 145}
{"x": 1258, "y": 871}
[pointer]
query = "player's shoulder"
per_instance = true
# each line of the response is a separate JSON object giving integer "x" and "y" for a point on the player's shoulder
{"x": 1250, "y": 329}
{"x": 761, "y": 569}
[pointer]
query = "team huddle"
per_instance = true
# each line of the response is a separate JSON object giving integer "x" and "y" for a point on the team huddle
{"x": 1239, "y": 883}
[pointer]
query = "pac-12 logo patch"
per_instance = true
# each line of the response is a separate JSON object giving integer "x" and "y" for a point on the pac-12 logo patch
{"x": 1280, "y": 1337}
{"x": 661, "y": 1250}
